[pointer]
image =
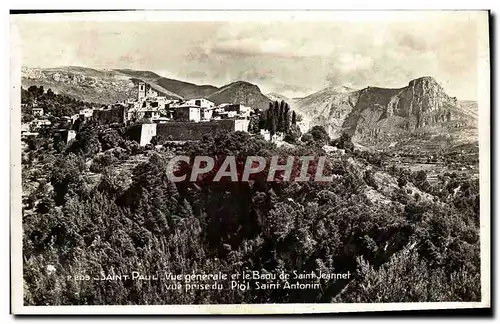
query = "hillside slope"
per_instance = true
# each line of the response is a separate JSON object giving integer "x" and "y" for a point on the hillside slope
{"x": 162, "y": 91}
{"x": 110, "y": 86}
{"x": 185, "y": 89}
{"x": 240, "y": 92}
{"x": 279, "y": 97}
{"x": 143, "y": 75}
{"x": 100, "y": 86}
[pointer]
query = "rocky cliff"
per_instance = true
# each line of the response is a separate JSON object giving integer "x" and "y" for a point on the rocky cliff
{"x": 373, "y": 113}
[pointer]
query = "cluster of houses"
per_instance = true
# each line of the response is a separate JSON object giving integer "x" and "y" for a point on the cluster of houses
{"x": 158, "y": 109}
{"x": 151, "y": 107}
{"x": 154, "y": 114}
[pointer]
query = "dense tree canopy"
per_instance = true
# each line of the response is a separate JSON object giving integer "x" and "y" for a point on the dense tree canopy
{"x": 95, "y": 214}
{"x": 54, "y": 104}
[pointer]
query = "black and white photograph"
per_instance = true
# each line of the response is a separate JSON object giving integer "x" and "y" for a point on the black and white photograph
{"x": 249, "y": 162}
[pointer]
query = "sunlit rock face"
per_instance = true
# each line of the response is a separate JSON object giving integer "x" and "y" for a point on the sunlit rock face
{"x": 374, "y": 112}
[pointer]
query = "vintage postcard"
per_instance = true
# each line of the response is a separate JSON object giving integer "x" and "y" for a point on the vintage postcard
{"x": 249, "y": 162}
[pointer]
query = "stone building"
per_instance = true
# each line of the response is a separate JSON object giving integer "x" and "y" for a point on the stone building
{"x": 183, "y": 131}
{"x": 200, "y": 102}
{"x": 64, "y": 135}
{"x": 112, "y": 114}
{"x": 146, "y": 91}
{"x": 187, "y": 113}
{"x": 37, "y": 111}
{"x": 86, "y": 112}
{"x": 240, "y": 110}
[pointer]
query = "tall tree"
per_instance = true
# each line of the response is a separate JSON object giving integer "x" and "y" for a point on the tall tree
{"x": 269, "y": 116}
{"x": 281, "y": 118}
{"x": 287, "y": 118}
{"x": 272, "y": 124}
{"x": 275, "y": 117}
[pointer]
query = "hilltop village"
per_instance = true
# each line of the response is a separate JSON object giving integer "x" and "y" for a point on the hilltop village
{"x": 152, "y": 114}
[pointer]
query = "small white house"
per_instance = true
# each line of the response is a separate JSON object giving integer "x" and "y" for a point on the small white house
{"x": 267, "y": 136}
{"x": 241, "y": 125}
{"x": 36, "y": 124}
{"x": 37, "y": 111}
{"x": 86, "y": 112}
{"x": 200, "y": 102}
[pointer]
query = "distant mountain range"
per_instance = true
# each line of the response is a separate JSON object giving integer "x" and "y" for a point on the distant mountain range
{"x": 368, "y": 114}
{"x": 99, "y": 86}
{"x": 110, "y": 86}
{"x": 278, "y": 97}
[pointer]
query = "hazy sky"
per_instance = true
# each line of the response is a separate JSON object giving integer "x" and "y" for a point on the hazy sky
{"x": 292, "y": 58}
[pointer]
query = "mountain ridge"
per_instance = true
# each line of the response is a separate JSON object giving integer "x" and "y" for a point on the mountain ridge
{"x": 374, "y": 112}
{"x": 113, "y": 85}
{"x": 240, "y": 92}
